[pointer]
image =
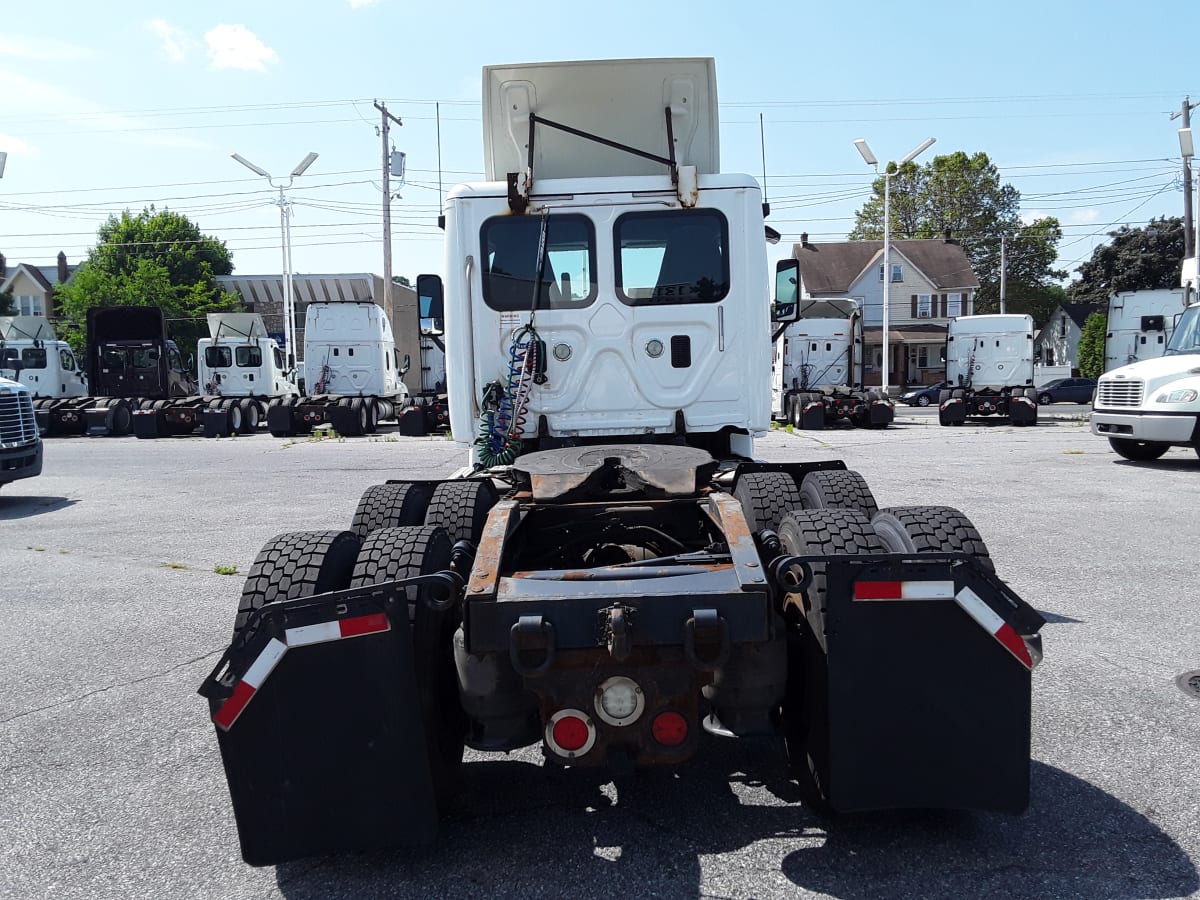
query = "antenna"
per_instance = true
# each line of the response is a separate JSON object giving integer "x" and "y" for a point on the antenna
{"x": 762, "y": 143}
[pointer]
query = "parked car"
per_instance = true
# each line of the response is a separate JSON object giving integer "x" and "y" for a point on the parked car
{"x": 926, "y": 395}
{"x": 1067, "y": 390}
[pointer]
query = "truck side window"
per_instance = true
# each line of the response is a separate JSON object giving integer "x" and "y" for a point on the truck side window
{"x": 676, "y": 256}
{"x": 509, "y": 249}
{"x": 248, "y": 357}
{"x": 218, "y": 357}
{"x": 66, "y": 360}
{"x": 278, "y": 354}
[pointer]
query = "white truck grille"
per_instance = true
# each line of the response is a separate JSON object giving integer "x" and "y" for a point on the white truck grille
{"x": 1126, "y": 392}
{"x": 18, "y": 426}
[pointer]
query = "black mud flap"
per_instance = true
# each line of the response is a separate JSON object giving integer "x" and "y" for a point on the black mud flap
{"x": 812, "y": 415}
{"x": 952, "y": 412}
{"x": 279, "y": 421}
{"x": 1022, "y": 411}
{"x": 927, "y": 696}
{"x": 411, "y": 422}
{"x": 147, "y": 423}
{"x": 344, "y": 420}
{"x": 880, "y": 414}
{"x": 318, "y": 721}
{"x": 217, "y": 423}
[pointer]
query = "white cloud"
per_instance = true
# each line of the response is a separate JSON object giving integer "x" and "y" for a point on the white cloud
{"x": 359, "y": 4}
{"x": 14, "y": 146}
{"x": 175, "y": 41}
{"x": 19, "y": 46}
{"x": 237, "y": 47}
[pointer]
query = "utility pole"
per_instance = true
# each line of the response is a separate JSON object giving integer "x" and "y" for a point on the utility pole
{"x": 387, "y": 205}
{"x": 1003, "y": 273}
{"x": 1188, "y": 229}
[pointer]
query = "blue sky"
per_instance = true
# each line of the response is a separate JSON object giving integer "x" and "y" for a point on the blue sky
{"x": 116, "y": 106}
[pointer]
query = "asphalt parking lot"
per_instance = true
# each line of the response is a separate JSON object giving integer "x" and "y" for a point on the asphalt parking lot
{"x": 111, "y": 784}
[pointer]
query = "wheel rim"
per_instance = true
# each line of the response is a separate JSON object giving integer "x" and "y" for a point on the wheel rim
{"x": 922, "y": 401}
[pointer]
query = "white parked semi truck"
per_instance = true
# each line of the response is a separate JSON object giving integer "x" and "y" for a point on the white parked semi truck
{"x": 32, "y": 354}
{"x": 818, "y": 370}
{"x": 353, "y": 378}
{"x": 1140, "y": 325}
{"x": 240, "y": 371}
{"x": 20, "y": 442}
{"x": 989, "y": 362}
{"x": 1149, "y": 406}
{"x": 612, "y": 574}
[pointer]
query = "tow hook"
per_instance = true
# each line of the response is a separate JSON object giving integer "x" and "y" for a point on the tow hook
{"x": 616, "y": 624}
{"x": 531, "y": 635}
{"x": 703, "y": 631}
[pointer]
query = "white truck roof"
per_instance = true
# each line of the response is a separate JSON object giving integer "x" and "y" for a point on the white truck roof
{"x": 603, "y": 97}
{"x": 989, "y": 324}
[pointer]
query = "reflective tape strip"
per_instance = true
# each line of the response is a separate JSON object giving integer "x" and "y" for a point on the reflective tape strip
{"x": 994, "y": 625}
{"x": 335, "y": 631}
{"x": 903, "y": 590}
{"x": 249, "y": 683}
{"x": 306, "y": 635}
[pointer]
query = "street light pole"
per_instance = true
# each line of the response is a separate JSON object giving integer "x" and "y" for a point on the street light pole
{"x": 285, "y": 233}
{"x": 871, "y": 160}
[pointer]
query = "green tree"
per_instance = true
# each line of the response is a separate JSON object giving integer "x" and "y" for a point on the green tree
{"x": 962, "y": 196}
{"x": 8, "y": 304}
{"x": 151, "y": 259}
{"x": 1135, "y": 259}
{"x": 1091, "y": 345}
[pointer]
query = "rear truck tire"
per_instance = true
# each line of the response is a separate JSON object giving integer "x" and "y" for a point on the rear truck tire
{"x": 815, "y": 532}
{"x": 391, "y": 506}
{"x": 251, "y": 416}
{"x": 930, "y": 529}
{"x": 235, "y": 416}
{"x": 297, "y": 564}
{"x": 794, "y": 411}
{"x": 1140, "y": 451}
{"x": 119, "y": 419}
{"x": 359, "y": 406}
{"x": 837, "y": 489}
{"x": 766, "y": 497}
{"x": 461, "y": 507}
{"x": 392, "y": 554}
{"x": 923, "y": 400}
{"x": 372, "y": 415}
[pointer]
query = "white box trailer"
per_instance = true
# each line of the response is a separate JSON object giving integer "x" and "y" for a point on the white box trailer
{"x": 613, "y": 575}
{"x": 989, "y": 361}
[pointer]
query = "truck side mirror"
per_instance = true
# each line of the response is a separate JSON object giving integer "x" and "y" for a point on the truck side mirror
{"x": 431, "y": 303}
{"x": 406, "y": 365}
{"x": 786, "y": 307}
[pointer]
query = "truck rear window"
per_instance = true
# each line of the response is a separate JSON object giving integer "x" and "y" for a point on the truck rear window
{"x": 510, "y": 262}
{"x": 219, "y": 357}
{"x": 248, "y": 357}
{"x": 673, "y": 256}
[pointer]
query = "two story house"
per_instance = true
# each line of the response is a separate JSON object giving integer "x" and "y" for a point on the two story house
{"x": 931, "y": 282}
{"x": 32, "y": 287}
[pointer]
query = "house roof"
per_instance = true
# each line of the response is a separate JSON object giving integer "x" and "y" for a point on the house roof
{"x": 45, "y": 276}
{"x": 907, "y": 333}
{"x": 1080, "y": 311}
{"x": 834, "y": 267}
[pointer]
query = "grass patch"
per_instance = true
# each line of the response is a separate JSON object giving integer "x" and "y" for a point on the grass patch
{"x": 175, "y": 565}
{"x": 225, "y": 570}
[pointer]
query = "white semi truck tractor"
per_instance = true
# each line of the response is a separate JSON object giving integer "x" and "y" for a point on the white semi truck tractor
{"x": 818, "y": 370}
{"x": 1149, "y": 406}
{"x": 989, "y": 362}
{"x": 613, "y": 574}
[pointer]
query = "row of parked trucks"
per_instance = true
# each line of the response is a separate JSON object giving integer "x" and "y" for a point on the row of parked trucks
{"x": 134, "y": 380}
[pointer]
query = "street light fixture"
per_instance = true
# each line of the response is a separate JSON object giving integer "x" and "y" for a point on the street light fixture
{"x": 285, "y": 212}
{"x": 871, "y": 160}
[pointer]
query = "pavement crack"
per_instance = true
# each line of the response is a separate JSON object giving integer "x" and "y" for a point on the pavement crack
{"x": 69, "y": 700}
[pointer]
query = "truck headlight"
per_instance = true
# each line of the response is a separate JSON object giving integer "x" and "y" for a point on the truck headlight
{"x": 1184, "y": 395}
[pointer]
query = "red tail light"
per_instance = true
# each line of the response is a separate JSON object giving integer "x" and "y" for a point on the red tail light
{"x": 669, "y": 728}
{"x": 570, "y": 733}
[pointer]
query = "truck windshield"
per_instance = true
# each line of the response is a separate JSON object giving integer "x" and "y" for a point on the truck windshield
{"x": 1186, "y": 338}
{"x": 218, "y": 357}
{"x": 510, "y": 254}
{"x": 112, "y": 359}
{"x": 677, "y": 256}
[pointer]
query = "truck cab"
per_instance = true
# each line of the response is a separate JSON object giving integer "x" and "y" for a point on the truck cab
{"x": 989, "y": 362}
{"x": 349, "y": 350}
{"x": 31, "y": 353}
{"x": 239, "y": 359}
{"x": 20, "y": 442}
{"x": 1149, "y": 406}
